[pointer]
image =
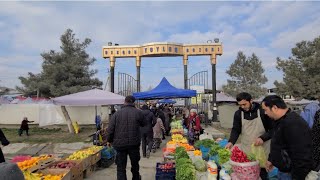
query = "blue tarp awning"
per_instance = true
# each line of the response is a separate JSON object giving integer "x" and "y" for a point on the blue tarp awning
{"x": 165, "y": 90}
{"x": 167, "y": 101}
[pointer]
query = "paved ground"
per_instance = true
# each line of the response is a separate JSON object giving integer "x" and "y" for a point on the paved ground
{"x": 147, "y": 166}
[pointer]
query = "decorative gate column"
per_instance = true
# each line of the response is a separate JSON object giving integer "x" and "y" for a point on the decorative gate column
{"x": 112, "y": 65}
{"x": 214, "y": 93}
{"x": 185, "y": 72}
{"x": 138, "y": 64}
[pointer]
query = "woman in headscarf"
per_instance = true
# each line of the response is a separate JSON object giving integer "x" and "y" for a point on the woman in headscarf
{"x": 193, "y": 126}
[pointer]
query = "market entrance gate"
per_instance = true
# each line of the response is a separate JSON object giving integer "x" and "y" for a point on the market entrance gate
{"x": 165, "y": 49}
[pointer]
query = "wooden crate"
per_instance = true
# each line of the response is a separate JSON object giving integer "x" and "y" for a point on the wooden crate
{"x": 75, "y": 170}
{"x": 87, "y": 172}
{"x": 34, "y": 168}
{"x": 45, "y": 162}
{"x": 66, "y": 172}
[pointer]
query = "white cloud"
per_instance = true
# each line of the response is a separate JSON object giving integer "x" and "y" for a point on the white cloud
{"x": 288, "y": 39}
{"x": 13, "y": 67}
{"x": 30, "y": 28}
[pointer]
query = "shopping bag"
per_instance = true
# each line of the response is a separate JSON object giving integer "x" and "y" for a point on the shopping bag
{"x": 260, "y": 155}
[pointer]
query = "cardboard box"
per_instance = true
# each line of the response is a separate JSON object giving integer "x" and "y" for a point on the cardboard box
{"x": 95, "y": 158}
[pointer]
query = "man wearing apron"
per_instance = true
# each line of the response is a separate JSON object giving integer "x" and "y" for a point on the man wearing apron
{"x": 253, "y": 125}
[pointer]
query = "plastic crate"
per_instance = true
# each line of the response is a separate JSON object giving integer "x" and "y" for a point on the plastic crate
{"x": 171, "y": 171}
{"x": 165, "y": 177}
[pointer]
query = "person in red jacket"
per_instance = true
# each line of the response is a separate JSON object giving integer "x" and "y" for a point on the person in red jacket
{"x": 193, "y": 126}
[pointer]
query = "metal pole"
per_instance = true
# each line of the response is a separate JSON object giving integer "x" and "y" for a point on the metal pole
{"x": 138, "y": 64}
{"x": 112, "y": 78}
{"x": 112, "y": 65}
{"x": 185, "y": 72}
{"x": 214, "y": 96}
{"x": 138, "y": 78}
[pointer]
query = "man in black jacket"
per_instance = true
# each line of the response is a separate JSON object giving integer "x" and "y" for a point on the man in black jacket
{"x": 4, "y": 142}
{"x": 147, "y": 131}
{"x": 254, "y": 126}
{"x": 291, "y": 147}
{"x": 124, "y": 135}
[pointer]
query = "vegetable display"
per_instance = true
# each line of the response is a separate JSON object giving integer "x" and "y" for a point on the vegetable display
{"x": 224, "y": 155}
{"x": 180, "y": 153}
{"x": 206, "y": 143}
{"x": 214, "y": 149}
{"x": 185, "y": 170}
{"x": 200, "y": 165}
{"x": 238, "y": 155}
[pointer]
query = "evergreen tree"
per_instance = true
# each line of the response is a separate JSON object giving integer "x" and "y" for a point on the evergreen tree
{"x": 301, "y": 71}
{"x": 246, "y": 76}
{"x": 63, "y": 72}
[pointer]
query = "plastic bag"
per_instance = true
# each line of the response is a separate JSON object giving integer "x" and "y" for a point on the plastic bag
{"x": 76, "y": 127}
{"x": 260, "y": 155}
{"x": 313, "y": 175}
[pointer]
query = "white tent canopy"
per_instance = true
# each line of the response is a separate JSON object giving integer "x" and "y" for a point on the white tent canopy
{"x": 94, "y": 97}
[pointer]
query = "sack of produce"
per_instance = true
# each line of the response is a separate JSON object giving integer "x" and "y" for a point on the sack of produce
{"x": 246, "y": 170}
{"x": 242, "y": 167}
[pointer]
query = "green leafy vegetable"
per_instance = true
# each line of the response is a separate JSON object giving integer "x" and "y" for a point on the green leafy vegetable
{"x": 207, "y": 143}
{"x": 186, "y": 172}
{"x": 224, "y": 155}
{"x": 214, "y": 150}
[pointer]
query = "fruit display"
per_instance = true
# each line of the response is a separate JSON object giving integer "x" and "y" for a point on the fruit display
{"x": 40, "y": 176}
{"x": 186, "y": 146}
{"x": 166, "y": 167}
{"x": 20, "y": 158}
{"x": 63, "y": 165}
{"x": 24, "y": 165}
{"x": 176, "y": 131}
{"x": 31, "y": 176}
{"x": 197, "y": 153}
{"x": 178, "y": 138}
{"x": 82, "y": 154}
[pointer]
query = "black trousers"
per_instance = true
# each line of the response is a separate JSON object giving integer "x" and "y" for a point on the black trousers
{"x": 121, "y": 161}
{"x": 264, "y": 174}
{"x": 146, "y": 140}
{"x": 1, "y": 157}
{"x": 21, "y": 131}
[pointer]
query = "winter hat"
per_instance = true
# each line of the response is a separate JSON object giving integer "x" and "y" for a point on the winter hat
{"x": 193, "y": 111}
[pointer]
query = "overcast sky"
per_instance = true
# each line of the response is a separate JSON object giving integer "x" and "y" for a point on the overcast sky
{"x": 269, "y": 29}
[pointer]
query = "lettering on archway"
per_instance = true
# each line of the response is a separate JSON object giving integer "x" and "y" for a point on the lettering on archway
{"x": 164, "y": 49}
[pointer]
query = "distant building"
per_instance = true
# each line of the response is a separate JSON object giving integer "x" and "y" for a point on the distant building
{"x": 286, "y": 98}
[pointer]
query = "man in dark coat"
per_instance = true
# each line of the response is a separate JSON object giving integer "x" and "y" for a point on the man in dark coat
{"x": 24, "y": 126}
{"x": 124, "y": 135}
{"x": 291, "y": 146}
{"x": 254, "y": 126}
{"x": 147, "y": 131}
{"x": 4, "y": 142}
